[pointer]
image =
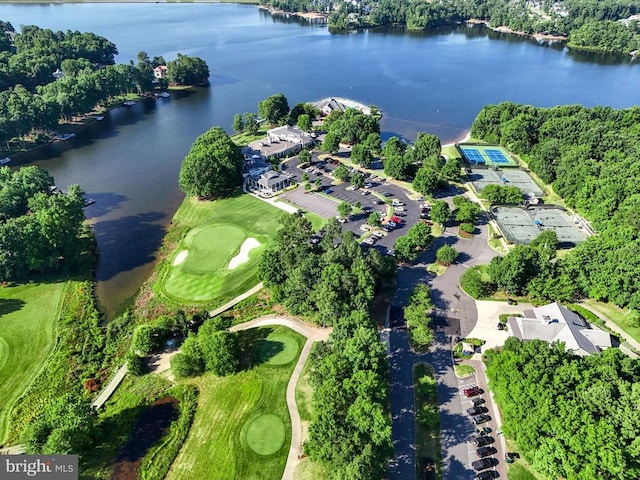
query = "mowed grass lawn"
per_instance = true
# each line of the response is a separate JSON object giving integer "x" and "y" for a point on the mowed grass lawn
{"x": 242, "y": 411}
{"x": 28, "y": 314}
{"x": 216, "y": 231}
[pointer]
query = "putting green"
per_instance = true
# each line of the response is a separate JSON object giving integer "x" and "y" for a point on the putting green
{"x": 215, "y": 234}
{"x": 265, "y": 434}
{"x": 277, "y": 350}
{"x": 211, "y": 247}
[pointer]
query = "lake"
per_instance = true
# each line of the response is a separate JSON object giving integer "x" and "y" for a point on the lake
{"x": 436, "y": 83}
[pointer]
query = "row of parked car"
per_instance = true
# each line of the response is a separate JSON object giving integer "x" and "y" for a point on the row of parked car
{"x": 482, "y": 440}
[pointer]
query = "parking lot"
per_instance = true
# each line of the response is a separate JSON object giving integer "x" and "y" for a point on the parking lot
{"x": 496, "y": 452}
{"x": 378, "y": 198}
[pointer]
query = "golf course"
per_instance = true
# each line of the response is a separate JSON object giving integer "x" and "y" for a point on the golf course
{"x": 217, "y": 258}
{"x": 242, "y": 427}
{"x": 28, "y": 314}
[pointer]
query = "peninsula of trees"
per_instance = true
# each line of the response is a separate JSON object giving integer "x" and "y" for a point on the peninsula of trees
{"x": 34, "y": 101}
{"x": 604, "y": 26}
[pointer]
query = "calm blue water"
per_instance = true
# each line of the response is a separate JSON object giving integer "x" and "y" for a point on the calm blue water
{"x": 435, "y": 83}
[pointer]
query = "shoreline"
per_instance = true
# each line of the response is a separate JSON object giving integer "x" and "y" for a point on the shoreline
{"x": 504, "y": 29}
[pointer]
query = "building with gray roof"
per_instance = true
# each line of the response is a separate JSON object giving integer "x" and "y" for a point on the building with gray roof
{"x": 556, "y": 323}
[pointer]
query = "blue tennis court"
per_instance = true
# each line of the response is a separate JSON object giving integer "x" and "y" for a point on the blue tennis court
{"x": 496, "y": 156}
{"x": 473, "y": 155}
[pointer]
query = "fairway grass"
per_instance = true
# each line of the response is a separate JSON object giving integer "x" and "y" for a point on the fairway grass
{"x": 215, "y": 233}
{"x": 219, "y": 445}
{"x": 28, "y": 314}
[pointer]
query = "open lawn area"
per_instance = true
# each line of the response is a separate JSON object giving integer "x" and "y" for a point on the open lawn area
{"x": 242, "y": 427}
{"x": 217, "y": 259}
{"x": 618, "y": 316}
{"x": 28, "y": 314}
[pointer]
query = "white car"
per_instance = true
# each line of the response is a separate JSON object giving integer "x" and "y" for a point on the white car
{"x": 364, "y": 227}
{"x": 399, "y": 209}
{"x": 368, "y": 185}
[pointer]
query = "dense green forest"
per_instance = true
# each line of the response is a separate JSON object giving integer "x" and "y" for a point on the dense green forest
{"x": 590, "y": 157}
{"x": 572, "y": 417}
{"x": 33, "y": 101}
{"x": 588, "y": 24}
{"x": 40, "y": 230}
{"x": 325, "y": 280}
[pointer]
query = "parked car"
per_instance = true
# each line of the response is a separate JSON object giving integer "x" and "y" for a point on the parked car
{"x": 388, "y": 194}
{"x": 365, "y": 192}
{"x": 482, "y": 418}
{"x": 487, "y": 475}
{"x": 377, "y": 233}
{"x": 341, "y": 219}
{"x": 482, "y": 464}
{"x": 476, "y": 410}
{"x": 485, "y": 451}
{"x": 369, "y": 240}
{"x": 328, "y": 190}
{"x": 472, "y": 391}
{"x": 483, "y": 431}
{"x": 368, "y": 185}
{"x": 398, "y": 209}
{"x": 477, "y": 401}
{"x": 397, "y": 203}
{"x": 482, "y": 441}
{"x": 364, "y": 227}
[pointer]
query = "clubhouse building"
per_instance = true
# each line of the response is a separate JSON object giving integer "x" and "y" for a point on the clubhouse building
{"x": 556, "y": 323}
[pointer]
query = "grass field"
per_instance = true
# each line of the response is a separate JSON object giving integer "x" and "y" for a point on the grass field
{"x": 428, "y": 441}
{"x": 216, "y": 231}
{"x": 306, "y": 469}
{"x": 519, "y": 472}
{"x": 28, "y": 314}
{"x": 218, "y": 446}
{"x": 618, "y": 316}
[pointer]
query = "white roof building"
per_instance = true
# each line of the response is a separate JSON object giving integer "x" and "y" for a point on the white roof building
{"x": 555, "y": 323}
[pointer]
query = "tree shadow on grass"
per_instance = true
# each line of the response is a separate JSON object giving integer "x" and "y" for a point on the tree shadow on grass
{"x": 10, "y": 305}
{"x": 255, "y": 348}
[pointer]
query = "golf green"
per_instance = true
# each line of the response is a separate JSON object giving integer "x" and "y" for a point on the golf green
{"x": 215, "y": 233}
{"x": 266, "y": 434}
{"x": 210, "y": 248}
{"x": 277, "y": 350}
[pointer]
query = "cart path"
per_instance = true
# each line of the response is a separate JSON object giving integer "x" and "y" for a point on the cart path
{"x": 313, "y": 334}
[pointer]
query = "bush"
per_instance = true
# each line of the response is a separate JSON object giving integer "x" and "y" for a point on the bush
{"x": 184, "y": 366}
{"x": 472, "y": 283}
{"x": 146, "y": 339}
{"x": 446, "y": 255}
{"x": 467, "y": 227}
{"x": 136, "y": 365}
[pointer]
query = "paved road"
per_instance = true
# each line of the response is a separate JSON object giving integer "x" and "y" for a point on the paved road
{"x": 455, "y": 315}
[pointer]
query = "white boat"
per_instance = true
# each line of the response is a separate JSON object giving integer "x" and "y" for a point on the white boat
{"x": 165, "y": 94}
{"x": 99, "y": 117}
{"x": 5, "y": 160}
{"x": 129, "y": 103}
{"x": 65, "y": 136}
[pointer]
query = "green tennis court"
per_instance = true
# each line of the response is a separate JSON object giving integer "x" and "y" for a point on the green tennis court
{"x": 489, "y": 155}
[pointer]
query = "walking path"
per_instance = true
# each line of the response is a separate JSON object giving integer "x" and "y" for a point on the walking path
{"x": 236, "y": 300}
{"x": 108, "y": 390}
{"x": 313, "y": 334}
{"x": 161, "y": 362}
{"x": 627, "y": 339}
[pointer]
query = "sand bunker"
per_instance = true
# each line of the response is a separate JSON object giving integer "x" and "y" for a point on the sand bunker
{"x": 243, "y": 256}
{"x": 181, "y": 257}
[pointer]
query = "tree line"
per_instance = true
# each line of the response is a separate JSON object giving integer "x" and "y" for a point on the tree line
{"x": 322, "y": 281}
{"x": 590, "y": 157}
{"x": 602, "y": 26}
{"x": 40, "y": 230}
{"x": 333, "y": 282}
{"x": 33, "y": 101}
{"x": 572, "y": 417}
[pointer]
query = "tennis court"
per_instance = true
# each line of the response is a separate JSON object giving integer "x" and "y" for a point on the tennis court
{"x": 521, "y": 226}
{"x": 490, "y": 155}
{"x": 481, "y": 177}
